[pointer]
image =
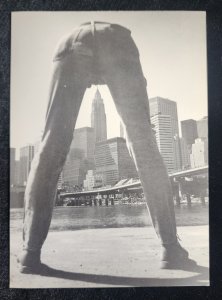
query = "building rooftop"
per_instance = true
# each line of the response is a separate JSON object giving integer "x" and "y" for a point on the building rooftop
{"x": 112, "y": 140}
{"x": 86, "y": 128}
{"x": 160, "y": 98}
{"x": 97, "y": 97}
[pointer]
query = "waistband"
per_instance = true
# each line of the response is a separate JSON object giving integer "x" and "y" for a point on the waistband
{"x": 96, "y": 22}
{"x": 114, "y": 26}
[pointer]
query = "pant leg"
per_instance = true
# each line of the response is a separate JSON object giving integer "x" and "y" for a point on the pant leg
{"x": 69, "y": 81}
{"x": 123, "y": 74}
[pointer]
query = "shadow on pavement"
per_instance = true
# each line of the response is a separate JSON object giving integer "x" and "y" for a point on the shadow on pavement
{"x": 202, "y": 275}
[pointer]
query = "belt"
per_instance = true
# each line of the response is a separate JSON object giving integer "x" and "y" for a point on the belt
{"x": 95, "y": 22}
{"x": 112, "y": 25}
{"x": 95, "y": 53}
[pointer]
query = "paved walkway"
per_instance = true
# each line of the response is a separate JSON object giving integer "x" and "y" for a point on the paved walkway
{"x": 119, "y": 257}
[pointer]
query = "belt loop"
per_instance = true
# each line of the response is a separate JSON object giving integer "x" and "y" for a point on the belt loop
{"x": 93, "y": 28}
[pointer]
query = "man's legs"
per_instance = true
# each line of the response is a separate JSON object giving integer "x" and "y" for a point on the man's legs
{"x": 68, "y": 85}
{"x": 132, "y": 104}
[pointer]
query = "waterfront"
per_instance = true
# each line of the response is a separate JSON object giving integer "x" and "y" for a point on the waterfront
{"x": 111, "y": 257}
{"x": 121, "y": 239}
{"x": 76, "y": 218}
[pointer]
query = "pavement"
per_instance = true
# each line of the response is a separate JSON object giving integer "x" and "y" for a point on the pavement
{"x": 111, "y": 257}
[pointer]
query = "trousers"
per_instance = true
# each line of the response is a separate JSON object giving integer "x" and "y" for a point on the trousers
{"x": 97, "y": 53}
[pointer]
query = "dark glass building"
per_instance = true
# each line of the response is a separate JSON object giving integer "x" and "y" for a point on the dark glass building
{"x": 189, "y": 131}
{"x": 113, "y": 161}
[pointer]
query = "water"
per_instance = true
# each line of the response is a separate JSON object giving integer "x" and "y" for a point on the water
{"x": 76, "y": 218}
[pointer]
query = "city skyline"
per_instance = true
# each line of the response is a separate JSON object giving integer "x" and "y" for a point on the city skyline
{"x": 177, "y": 153}
{"x": 34, "y": 142}
{"x": 163, "y": 116}
{"x": 172, "y": 52}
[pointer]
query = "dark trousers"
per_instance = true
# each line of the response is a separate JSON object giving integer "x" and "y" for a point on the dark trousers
{"x": 99, "y": 53}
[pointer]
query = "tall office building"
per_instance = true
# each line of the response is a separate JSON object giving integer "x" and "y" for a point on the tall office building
{"x": 202, "y": 128}
{"x": 98, "y": 118}
{"x": 113, "y": 161}
{"x": 166, "y": 107}
{"x": 26, "y": 157}
{"x": 189, "y": 131}
{"x": 84, "y": 139}
{"x": 164, "y": 138}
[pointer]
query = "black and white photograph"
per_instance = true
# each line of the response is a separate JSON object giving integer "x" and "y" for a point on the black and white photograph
{"x": 108, "y": 149}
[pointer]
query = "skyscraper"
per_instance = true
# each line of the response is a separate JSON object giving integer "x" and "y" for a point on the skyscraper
{"x": 189, "y": 131}
{"x": 113, "y": 161}
{"x": 26, "y": 157}
{"x": 164, "y": 138}
{"x": 98, "y": 118}
{"x": 166, "y": 107}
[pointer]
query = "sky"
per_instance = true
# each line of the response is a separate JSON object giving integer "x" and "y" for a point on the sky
{"x": 172, "y": 48}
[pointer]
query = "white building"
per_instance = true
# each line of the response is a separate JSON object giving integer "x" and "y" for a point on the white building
{"x": 92, "y": 180}
{"x": 166, "y": 107}
{"x": 164, "y": 138}
{"x": 199, "y": 155}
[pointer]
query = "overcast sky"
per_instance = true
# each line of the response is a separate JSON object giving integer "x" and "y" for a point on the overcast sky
{"x": 172, "y": 49}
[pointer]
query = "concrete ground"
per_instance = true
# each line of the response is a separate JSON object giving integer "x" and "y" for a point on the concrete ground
{"x": 116, "y": 257}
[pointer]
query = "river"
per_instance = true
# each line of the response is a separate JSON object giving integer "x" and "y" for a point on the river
{"x": 76, "y": 218}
